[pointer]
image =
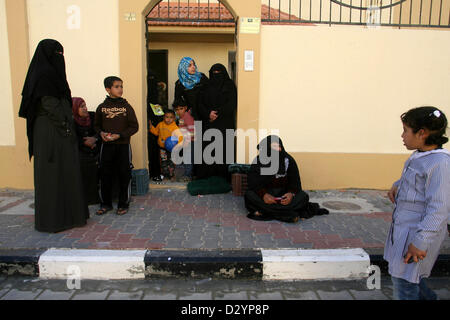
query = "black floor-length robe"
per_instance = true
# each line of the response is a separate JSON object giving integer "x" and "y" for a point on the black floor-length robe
{"x": 60, "y": 202}
{"x": 286, "y": 179}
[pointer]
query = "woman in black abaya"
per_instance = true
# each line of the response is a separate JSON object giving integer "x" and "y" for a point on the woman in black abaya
{"x": 47, "y": 105}
{"x": 274, "y": 186}
{"x": 217, "y": 109}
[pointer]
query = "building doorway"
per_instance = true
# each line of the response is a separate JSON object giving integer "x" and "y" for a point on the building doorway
{"x": 157, "y": 69}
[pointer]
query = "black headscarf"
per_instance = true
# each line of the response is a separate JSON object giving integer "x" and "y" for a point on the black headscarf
{"x": 220, "y": 95}
{"x": 219, "y": 83}
{"x": 46, "y": 77}
{"x": 258, "y": 178}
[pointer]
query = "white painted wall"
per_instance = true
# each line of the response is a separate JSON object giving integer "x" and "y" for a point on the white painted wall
{"x": 7, "y": 136}
{"x": 89, "y": 32}
{"x": 342, "y": 89}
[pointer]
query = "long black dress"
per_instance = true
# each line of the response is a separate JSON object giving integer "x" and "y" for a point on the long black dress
{"x": 220, "y": 95}
{"x": 60, "y": 203}
{"x": 89, "y": 160}
{"x": 285, "y": 179}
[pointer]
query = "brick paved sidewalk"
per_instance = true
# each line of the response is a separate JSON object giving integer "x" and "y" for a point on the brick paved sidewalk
{"x": 169, "y": 218}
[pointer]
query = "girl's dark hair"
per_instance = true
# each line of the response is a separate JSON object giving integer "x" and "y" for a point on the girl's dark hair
{"x": 429, "y": 118}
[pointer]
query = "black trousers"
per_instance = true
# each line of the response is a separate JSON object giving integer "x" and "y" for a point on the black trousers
{"x": 89, "y": 174}
{"x": 115, "y": 160}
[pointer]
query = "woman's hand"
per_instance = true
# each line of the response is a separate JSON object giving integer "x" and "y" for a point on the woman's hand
{"x": 104, "y": 136}
{"x": 392, "y": 193}
{"x": 287, "y": 198}
{"x": 114, "y": 137}
{"x": 90, "y": 142}
{"x": 269, "y": 199}
{"x": 414, "y": 253}
{"x": 213, "y": 116}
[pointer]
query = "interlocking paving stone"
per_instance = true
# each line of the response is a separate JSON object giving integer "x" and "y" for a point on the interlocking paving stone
{"x": 242, "y": 295}
{"x": 369, "y": 295}
{"x": 307, "y": 295}
{"x": 56, "y": 295}
{"x": 90, "y": 295}
{"x": 158, "y": 296}
{"x": 15, "y": 294}
{"x": 163, "y": 217}
{"x": 117, "y": 295}
{"x": 340, "y": 295}
{"x": 196, "y": 296}
{"x": 265, "y": 296}
{"x": 3, "y": 292}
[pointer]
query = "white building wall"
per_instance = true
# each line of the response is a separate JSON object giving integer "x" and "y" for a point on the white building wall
{"x": 7, "y": 136}
{"x": 89, "y": 33}
{"x": 342, "y": 89}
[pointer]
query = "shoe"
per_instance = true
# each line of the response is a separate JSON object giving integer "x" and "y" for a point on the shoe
{"x": 158, "y": 179}
{"x": 259, "y": 217}
{"x": 121, "y": 211}
{"x": 103, "y": 210}
{"x": 185, "y": 179}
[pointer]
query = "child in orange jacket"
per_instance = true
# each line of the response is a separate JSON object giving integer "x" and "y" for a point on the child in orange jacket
{"x": 164, "y": 130}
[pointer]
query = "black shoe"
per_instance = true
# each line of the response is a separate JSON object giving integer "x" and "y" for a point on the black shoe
{"x": 157, "y": 179}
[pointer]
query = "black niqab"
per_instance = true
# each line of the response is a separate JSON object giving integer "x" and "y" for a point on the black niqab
{"x": 219, "y": 84}
{"x": 46, "y": 77}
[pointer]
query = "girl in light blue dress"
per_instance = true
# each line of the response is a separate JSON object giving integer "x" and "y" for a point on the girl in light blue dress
{"x": 422, "y": 204}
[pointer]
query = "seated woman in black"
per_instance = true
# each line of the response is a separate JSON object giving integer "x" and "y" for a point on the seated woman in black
{"x": 89, "y": 146}
{"x": 274, "y": 187}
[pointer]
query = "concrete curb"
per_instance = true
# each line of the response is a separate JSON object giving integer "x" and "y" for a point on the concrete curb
{"x": 257, "y": 264}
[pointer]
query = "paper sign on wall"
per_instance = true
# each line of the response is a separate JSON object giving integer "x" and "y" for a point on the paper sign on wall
{"x": 248, "y": 60}
{"x": 250, "y": 25}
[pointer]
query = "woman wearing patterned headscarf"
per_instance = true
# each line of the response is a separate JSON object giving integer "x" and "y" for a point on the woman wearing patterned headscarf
{"x": 47, "y": 105}
{"x": 190, "y": 85}
{"x": 89, "y": 147}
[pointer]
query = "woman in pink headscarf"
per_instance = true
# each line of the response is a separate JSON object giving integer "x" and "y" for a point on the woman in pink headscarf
{"x": 89, "y": 146}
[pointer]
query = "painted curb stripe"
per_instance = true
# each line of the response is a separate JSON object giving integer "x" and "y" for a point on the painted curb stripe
{"x": 20, "y": 261}
{"x": 203, "y": 256}
{"x": 92, "y": 264}
{"x": 183, "y": 263}
{"x": 315, "y": 264}
{"x": 228, "y": 264}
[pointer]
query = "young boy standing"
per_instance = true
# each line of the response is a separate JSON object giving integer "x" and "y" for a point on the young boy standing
{"x": 116, "y": 122}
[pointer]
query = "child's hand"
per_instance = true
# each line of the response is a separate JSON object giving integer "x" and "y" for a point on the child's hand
{"x": 415, "y": 254}
{"x": 392, "y": 193}
{"x": 104, "y": 136}
{"x": 213, "y": 116}
{"x": 90, "y": 142}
